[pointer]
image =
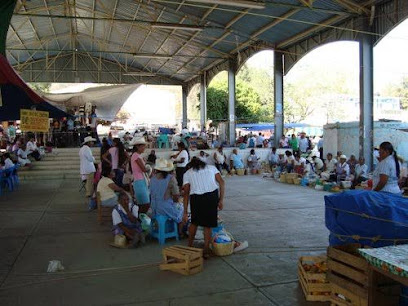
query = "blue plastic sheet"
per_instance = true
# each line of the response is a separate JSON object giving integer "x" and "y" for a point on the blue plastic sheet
{"x": 367, "y": 217}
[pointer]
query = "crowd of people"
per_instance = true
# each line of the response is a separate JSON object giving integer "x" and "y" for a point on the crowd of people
{"x": 132, "y": 185}
{"x": 387, "y": 175}
{"x": 21, "y": 151}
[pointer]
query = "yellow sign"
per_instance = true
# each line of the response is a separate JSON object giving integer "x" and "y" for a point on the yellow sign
{"x": 34, "y": 121}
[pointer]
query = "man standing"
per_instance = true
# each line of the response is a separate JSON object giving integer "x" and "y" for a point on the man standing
{"x": 259, "y": 141}
{"x": 303, "y": 143}
{"x": 87, "y": 167}
{"x": 320, "y": 147}
{"x": 12, "y": 131}
{"x": 70, "y": 130}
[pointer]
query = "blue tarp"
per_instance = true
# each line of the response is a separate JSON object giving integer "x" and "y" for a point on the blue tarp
{"x": 370, "y": 218}
{"x": 268, "y": 126}
{"x": 164, "y": 130}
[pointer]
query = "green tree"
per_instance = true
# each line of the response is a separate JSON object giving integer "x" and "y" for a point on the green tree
{"x": 248, "y": 107}
{"x": 399, "y": 90}
{"x": 315, "y": 92}
{"x": 40, "y": 87}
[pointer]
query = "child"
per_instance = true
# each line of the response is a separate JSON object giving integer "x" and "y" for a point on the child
{"x": 125, "y": 218}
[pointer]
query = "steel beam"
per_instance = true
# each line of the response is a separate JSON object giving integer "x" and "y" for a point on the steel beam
{"x": 184, "y": 106}
{"x": 203, "y": 100}
{"x": 278, "y": 94}
{"x": 366, "y": 99}
{"x": 232, "y": 69}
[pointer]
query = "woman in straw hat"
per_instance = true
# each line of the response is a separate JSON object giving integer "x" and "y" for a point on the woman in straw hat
{"x": 204, "y": 189}
{"x": 165, "y": 193}
{"x": 139, "y": 169}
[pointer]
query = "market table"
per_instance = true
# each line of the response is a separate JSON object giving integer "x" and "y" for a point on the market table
{"x": 386, "y": 263}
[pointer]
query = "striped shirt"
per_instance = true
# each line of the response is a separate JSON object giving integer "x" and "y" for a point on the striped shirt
{"x": 201, "y": 181}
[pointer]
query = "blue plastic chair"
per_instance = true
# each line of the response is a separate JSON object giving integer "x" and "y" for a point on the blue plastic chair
{"x": 163, "y": 140}
{"x": 2, "y": 181}
{"x": 162, "y": 227}
{"x": 8, "y": 178}
{"x": 14, "y": 176}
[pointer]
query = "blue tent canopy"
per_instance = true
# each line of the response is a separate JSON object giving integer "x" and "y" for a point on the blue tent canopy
{"x": 14, "y": 98}
{"x": 269, "y": 126}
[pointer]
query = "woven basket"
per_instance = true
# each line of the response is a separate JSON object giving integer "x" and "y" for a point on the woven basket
{"x": 240, "y": 171}
{"x": 223, "y": 249}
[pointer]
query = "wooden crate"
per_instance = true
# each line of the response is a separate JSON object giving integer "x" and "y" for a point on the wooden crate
{"x": 352, "y": 282}
{"x": 104, "y": 213}
{"x": 344, "y": 297}
{"x": 183, "y": 260}
{"x": 348, "y": 269}
{"x": 315, "y": 286}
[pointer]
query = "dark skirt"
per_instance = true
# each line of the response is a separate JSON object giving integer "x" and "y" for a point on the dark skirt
{"x": 204, "y": 209}
{"x": 179, "y": 175}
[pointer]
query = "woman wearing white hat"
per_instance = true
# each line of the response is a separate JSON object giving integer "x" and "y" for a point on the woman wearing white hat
{"x": 165, "y": 193}
{"x": 342, "y": 168}
{"x": 138, "y": 170}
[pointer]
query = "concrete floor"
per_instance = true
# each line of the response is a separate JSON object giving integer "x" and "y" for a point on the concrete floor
{"x": 48, "y": 220}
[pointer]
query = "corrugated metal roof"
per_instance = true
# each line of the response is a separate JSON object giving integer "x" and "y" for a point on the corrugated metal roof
{"x": 117, "y": 30}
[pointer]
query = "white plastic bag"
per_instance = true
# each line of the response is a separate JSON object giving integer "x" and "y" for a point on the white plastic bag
{"x": 55, "y": 266}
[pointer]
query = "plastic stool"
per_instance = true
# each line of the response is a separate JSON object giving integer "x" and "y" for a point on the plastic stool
{"x": 14, "y": 175}
{"x": 163, "y": 227}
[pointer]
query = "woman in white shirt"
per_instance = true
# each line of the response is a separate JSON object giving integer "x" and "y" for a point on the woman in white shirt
{"x": 299, "y": 163}
{"x": 385, "y": 176}
{"x": 8, "y": 163}
{"x": 22, "y": 155}
{"x": 204, "y": 188}
{"x": 342, "y": 169}
{"x": 253, "y": 162}
{"x": 181, "y": 160}
{"x": 360, "y": 172}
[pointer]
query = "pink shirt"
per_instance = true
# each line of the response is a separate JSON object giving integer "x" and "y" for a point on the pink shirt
{"x": 114, "y": 153}
{"x": 136, "y": 171}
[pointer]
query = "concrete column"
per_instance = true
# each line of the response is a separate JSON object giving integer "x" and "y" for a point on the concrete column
{"x": 184, "y": 106}
{"x": 203, "y": 101}
{"x": 231, "y": 104}
{"x": 366, "y": 100}
{"x": 278, "y": 95}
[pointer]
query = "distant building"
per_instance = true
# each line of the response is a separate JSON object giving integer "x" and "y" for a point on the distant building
{"x": 384, "y": 108}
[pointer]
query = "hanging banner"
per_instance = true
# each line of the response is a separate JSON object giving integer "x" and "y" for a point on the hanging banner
{"x": 34, "y": 121}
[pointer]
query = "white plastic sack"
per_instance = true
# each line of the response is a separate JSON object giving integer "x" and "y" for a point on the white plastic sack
{"x": 55, "y": 266}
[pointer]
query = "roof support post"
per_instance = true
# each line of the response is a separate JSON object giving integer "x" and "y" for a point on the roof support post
{"x": 184, "y": 94}
{"x": 278, "y": 95}
{"x": 366, "y": 99}
{"x": 203, "y": 100}
{"x": 231, "y": 102}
